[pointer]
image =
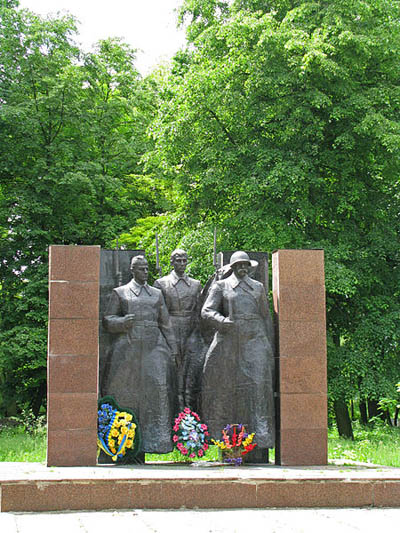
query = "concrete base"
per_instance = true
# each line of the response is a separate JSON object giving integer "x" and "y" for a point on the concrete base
{"x": 35, "y": 487}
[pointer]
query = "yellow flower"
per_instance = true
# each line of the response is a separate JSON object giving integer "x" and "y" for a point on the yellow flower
{"x": 129, "y": 443}
{"x": 114, "y": 433}
{"x": 131, "y": 434}
{"x": 220, "y": 444}
{"x": 113, "y": 450}
{"x": 128, "y": 417}
{"x": 124, "y": 430}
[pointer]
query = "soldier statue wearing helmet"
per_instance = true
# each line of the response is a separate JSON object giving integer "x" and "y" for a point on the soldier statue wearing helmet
{"x": 238, "y": 374}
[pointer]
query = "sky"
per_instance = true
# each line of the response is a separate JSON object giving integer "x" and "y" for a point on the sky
{"x": 148, "y": 25}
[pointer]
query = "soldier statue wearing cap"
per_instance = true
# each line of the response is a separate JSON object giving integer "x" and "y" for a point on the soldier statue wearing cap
{"x": 238, "y": 374}
{"x": 181, "y": 294}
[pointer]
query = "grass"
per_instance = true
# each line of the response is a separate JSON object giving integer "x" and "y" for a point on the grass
{"x": 175, "y": 456}
{"x": 212, "y": 454}
{"x": 17, "y": 444}
{"x": 378, "y": 444}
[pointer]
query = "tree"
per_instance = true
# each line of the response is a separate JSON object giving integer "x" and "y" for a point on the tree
{"x": 72, "y": 135}
{"x": 281, "y": 124}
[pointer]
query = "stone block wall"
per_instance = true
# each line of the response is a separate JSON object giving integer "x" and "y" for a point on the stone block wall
{"x": 73, "y": 348}
{"x": 299, "y": 307}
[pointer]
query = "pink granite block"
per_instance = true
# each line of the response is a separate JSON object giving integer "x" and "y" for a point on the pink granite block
{"x": 303, "y": 447}
{"x": 77, "y": 447}
{"x": 72, "y": 373}
{"x": 73, "y": 299}
{"x": 302, "y": 303}
{"x": 74, "y": 336}
{"x": 74, "y": 263}
{"x": 303, "y": 411}
{"x": 204, "y": 495}
{"x": 302, "y": 375}
{"x": 300, "y": 267}
{"x": 75, "y": 410}
{"x": 303, "y": 339}
{"x": 61, "y": 496}
{"x": 304, "y": 493}
{"x": 387, "y": 493}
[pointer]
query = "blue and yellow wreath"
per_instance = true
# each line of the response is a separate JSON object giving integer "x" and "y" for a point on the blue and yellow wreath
{"x": 118, "y": 434}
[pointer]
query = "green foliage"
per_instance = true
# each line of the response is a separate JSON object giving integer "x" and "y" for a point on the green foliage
{"x": 280, "y": 126}
{"x": 72, "y": 133}
{"x": 173, "y": 233}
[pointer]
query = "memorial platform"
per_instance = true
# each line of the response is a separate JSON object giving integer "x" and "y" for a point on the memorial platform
{"x": 35, "y": 487}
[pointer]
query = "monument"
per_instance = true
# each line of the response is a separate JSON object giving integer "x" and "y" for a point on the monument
{"x": 298, "y": 288}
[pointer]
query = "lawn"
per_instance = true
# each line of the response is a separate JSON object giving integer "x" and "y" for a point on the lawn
{"x": 379, "y": 444}
{"x": 17, "y": 444}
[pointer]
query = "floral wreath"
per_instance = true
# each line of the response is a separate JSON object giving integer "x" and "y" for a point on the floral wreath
{"x": 236, "y": 443}
{"x": 190, "y": 435}
{"x": 118, "y": 434}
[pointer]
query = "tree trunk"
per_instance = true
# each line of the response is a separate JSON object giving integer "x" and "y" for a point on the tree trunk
{"x": 363, "y": 413}
{"x": 38, "y": 399}
{"x": 372, "y": 409}
{"x": 343, "y": 420}
{"x": 385, "y": 415}
{"x": 396, "y": 417}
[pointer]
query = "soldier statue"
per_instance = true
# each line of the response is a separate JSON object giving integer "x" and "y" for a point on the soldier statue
{"x": 142, "y": 360}
{"x": 238, "y": 375}
{"x": 181, "y": 294}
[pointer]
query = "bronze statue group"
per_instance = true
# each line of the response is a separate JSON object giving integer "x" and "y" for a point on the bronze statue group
{"x": 170, "y": 352}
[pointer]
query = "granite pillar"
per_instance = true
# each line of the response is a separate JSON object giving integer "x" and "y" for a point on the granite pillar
{"x": 73, "y": 346}
{"x": 299, "y": 307}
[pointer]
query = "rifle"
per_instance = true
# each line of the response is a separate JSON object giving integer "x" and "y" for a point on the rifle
{"x": 215, "y": 250}
{"x": 158, "y": 267}
{"x": 119, "y": 273}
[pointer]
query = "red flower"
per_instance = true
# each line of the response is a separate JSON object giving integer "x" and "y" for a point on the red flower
{"x": 234, "y": 437}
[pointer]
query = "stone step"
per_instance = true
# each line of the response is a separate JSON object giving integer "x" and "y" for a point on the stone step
{"x": 34, "y": 487}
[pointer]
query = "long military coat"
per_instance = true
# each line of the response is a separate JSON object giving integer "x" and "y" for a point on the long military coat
{"x": 141, "y": 367}
{"x": 238, "y": 374}
{"x": 182, "y": 296}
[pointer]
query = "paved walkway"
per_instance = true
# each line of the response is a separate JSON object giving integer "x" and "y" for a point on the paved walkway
{"x": 210, "y": 521}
